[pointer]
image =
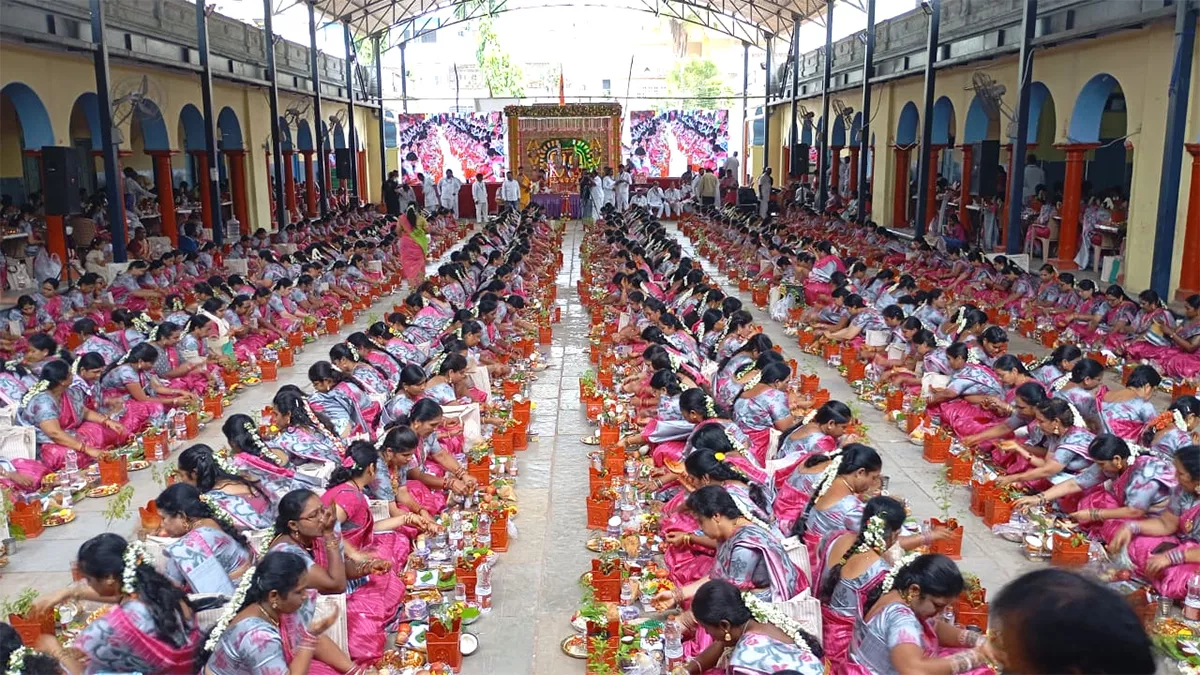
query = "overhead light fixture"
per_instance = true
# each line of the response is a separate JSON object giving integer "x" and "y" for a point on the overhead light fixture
{"x": 862, "y": 37}
{"x": 926, "y": 7}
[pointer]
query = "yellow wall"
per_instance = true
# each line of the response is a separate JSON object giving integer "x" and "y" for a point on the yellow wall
{"x": 59, "y": 78}
{"x": 1140, "y": 60}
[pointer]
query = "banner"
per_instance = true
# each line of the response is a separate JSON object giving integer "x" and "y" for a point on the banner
{"x": 667, "y": 142}
{"x": 465, "y": 143}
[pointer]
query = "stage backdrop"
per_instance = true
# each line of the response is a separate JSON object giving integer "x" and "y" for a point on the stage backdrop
{"x": 467, "y": 143}
{"x": 665, "y": 143}
{"x": 555, "y": 143}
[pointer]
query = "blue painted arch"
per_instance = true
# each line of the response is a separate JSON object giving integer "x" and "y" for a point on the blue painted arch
{"x": 856, "y": 129}
{"x": 154, "y": 129}
{"x": 1039, "y": 96}
{"x": 304, "y": 138}
{"x": 838, "y": 137}
{"x": 230, "y": 130}
{"x": 285, "y": 135}
{"x": 88, "y": 105}
{"x": 943, "y": 121}
{"x": 36, "y": 131}
{"x": 978, "y": 124}
{"x": 906, "y": 127}
{"x": 806, "y": 132}
{"x": 1089, "y": 109}
{"x": 192, "y": 123}
{"x": 339, "y": 137}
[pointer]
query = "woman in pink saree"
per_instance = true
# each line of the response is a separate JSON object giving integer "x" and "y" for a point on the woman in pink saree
{"x": 151, "y": 629}
{"x": 818, "y": 286}
{"x": 143, "y": 396}
{"x": 1117, "y": 488}
{"x": 435, "y": 470}
{"x": 414, "y": 246}
{"x": 376, "y": 602}
{"x": 960, "y": 404}
{"x": 62, "y": 423}
{"x": 190, "y": 376}
{"x": 1145, "y": 337}
{"x": 1165, "y": 549}
{"x": 903, "y": 631}
{"x": 762, "y": 406}
{"x": 837, "y": 500}
{"x": 243, "y": 327}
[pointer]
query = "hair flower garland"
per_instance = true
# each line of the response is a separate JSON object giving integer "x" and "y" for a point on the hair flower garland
{"x": 135, "y": 554}
{"x": 1076, "y": 418}
{"x": 1178, "y": 420}
{"x": 889, "y": 580}
{"x": 825, "y": 481}
{"x": 752, "y": 382}
{"x": 218, "y": 513}
{"x": 765, "y": 612}
{"x": 710, "y": 408}
{"x": 16, "y": 661}
{"x": 37, "y": 388}
{"x": 873, "y": 537}
{"x": 1060, "y": 383}
{"x": 807, "y": 419}
{"x": 239, "y": 595}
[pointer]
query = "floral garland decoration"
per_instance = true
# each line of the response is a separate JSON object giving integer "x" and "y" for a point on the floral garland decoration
{"x": 16, "y": 661}
{"x": 135, "y": 554}
{"x": 765, "y": 612}
{"x": 329, "y": 433}
{"x": 710, "y": 407}
{"x": 675, "y": 361}
{"x": 1060, "y": 383}
{"x": 873, "y": 537}
{"x": 354, "y": 352}
{"x": 807, "y": 419}
{"x": 221, "y": 458}
{"x": 38, "y": 387}
{"x": 1076, "y": 418}
{"x": 218, "y": 513}
{"x": 263, "y": 450}
{"x": 752, "y": 382}
{"x": 973, "y": 357}
{"x": 889, "y": 580}
{"x": 142, "y": 323}
{"x": 827, "y": 476}
{"x": 239, "y": 596}
{"x": 1177, "y": 419}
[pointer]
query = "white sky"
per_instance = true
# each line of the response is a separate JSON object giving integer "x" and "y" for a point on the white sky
{"x": 292, "y": 24}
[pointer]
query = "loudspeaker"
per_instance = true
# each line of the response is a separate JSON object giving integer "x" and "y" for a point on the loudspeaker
{"x": 798, "y": 160}
{"x": 60, "y": 180}
{"x": 985, "y": 162}
{"x": 345, "y": 166}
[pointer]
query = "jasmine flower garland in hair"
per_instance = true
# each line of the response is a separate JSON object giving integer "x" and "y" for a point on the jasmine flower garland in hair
{"x": 37, "y": 388}
{"x": 239, "y": 596}
{"x": 135, "y": 554}
{"x": 769, "y": 613}
{"x": 1177, "y": 418}
{"x": 1076, "y": 418}
{"x": 16, "y": 660}
{"x": 263, "y": 450}
{"x": 825, "y": 481}
{"x": 218, "y": 513}
{"x": 1060, "y": 383}
{"x": 890, "y": 579}
{"x": 873, "y": 538}
{"x": 752, "y": 382}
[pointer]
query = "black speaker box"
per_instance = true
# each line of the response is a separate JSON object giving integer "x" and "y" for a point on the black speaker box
{"x": 985, "y": 162}
{"x": 798, "y": 160}
{"x": 60, "y": 180}
{"x": 345, "y": 167}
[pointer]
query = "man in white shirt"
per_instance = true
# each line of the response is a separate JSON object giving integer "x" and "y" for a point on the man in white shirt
{"x": 597, "y": 197}
{"x": 656, "y": 199}
{"x": 624, "y": 181}
{"x": 764, "y": 192}
{"x": 510, "y": 191}
{"x": 429, "y": 191}
{"x": 608, "y": 184}
{"x": 1033, "y": 177}
{"x": 732, "y": 165}
{"x": 448, "y": 192}
{"x": 694, "y": 188}
{"x": 674, "y": 201}
{"x": 479, "y": 194}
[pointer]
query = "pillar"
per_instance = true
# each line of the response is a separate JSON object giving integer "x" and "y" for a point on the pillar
{"x": 289, "y": 184}
{"x": 310, "y": 182}
{"x": 206, "y": 215}
{"x": 835, "y": 166}
{"x": 1068, "y": 232}
{"x": 362, "y": 177}
{"x": 900, "y": 202}
{"x": 964, "y": 194}
{"x": 1189, "y": 274}
{"x": 166, "y": 193}
{"x": 854, "y": 171}
{"x": 931, "y": 190}
{"x": 237, "y": 186}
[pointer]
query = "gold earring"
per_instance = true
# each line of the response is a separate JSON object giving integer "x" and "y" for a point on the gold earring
{"x": 728, "y": 637}
{"x": 274, "y": 605}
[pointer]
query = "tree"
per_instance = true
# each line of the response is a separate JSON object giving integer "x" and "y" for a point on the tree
{"x": 501, "y": 76}
{"x": 700, "y": 81}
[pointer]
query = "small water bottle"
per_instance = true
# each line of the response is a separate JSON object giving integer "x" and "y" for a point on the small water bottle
{"x": 614, "y": 527}
{"x": 483, "y": 588}
{"x": 626, "y": 594}
{"x": 180, "y": 425}
{"x": 483, "y": 533}
{"x": 672, "y": 643}
{"x": 71, "y": 467}
{"x": 1191, "y": 605}
{"x": 455, "y": 531}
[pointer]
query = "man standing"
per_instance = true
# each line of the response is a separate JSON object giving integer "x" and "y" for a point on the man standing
{"x": 707, "y": 189}
{"x": 391, "y": 193}
{"x": 597, "y": 195}
{"x": 406, "y": 196}
{"x": 448, "y": 192}
{"x": 510, "y": 191}
{"x": 609, "y": 184}
{"x": 479, "y": 194}
{"x": 429, "y": 191}
{"x": 624, "y": 181}
{"x": 765, "y": 183}
{"x": 732, "y": 165}
{"x": 1033, "y": 176}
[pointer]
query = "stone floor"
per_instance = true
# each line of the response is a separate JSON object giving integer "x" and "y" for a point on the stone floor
{"x": 536, "y": 583}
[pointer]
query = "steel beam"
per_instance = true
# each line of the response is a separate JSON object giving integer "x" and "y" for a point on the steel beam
{"x": 864, "y": 133}
{"x": 112, "y": 173}
{"x": 923, "y": 177}
{"x": 281, "y": 213}
{"x": 321, "y": 152}
{"x": 210, "y": 125}
{"x": 1016, "y": 178}
{"x": 824, "y": 161}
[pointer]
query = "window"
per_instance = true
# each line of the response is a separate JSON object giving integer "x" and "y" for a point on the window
{"x": 430, "y": 37}
{"x": 606, "y": 84}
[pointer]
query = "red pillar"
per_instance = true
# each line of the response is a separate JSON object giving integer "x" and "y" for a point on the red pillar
{"x": 900, "y": 198}
{"x": 310, "y": 183}
{"x": 362, "y": 176}
{"x": 854, "y": 170}
{"x": 237, "y": 186}
{"x": 1068, "y": 233}
{"x": 835, "y": 163}
{"x": 289, "y": 184}
{"x": 964, "y": 195}
{"x": 206, "y": 216}
{"x": 1189, "y": 273}
{"x": 931, "y": 193}
{"x": 166, "y": 193}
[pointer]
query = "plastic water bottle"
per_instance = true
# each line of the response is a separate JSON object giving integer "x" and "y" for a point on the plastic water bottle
{"x": 455, "y": 531}
{"x": 180, "y": 425}
{"x": 483, "y": 588}
{"x": 483, "y": 532}
{"x": 71, "y": 467}
{"x": 672, "y": 643}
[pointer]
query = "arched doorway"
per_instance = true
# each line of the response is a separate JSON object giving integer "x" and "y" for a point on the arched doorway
{"x": 904, "y": 188}
{"x": 85, "y": 138}
{"x": 24, "y": 130}
{"x": 233, "y": 156}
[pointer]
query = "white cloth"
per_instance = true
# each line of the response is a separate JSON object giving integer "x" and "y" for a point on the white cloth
{"x": 448, "y": 191}
{"x": 609, "y": 185}
{"x": 431, "y": 195}
{"x": 479, "y": 191}
{"x": 1033, "y": 177}
{"x": 510, "y": 191}
{"x": 764, "y": 194}
{"x": 732, "y": 165}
